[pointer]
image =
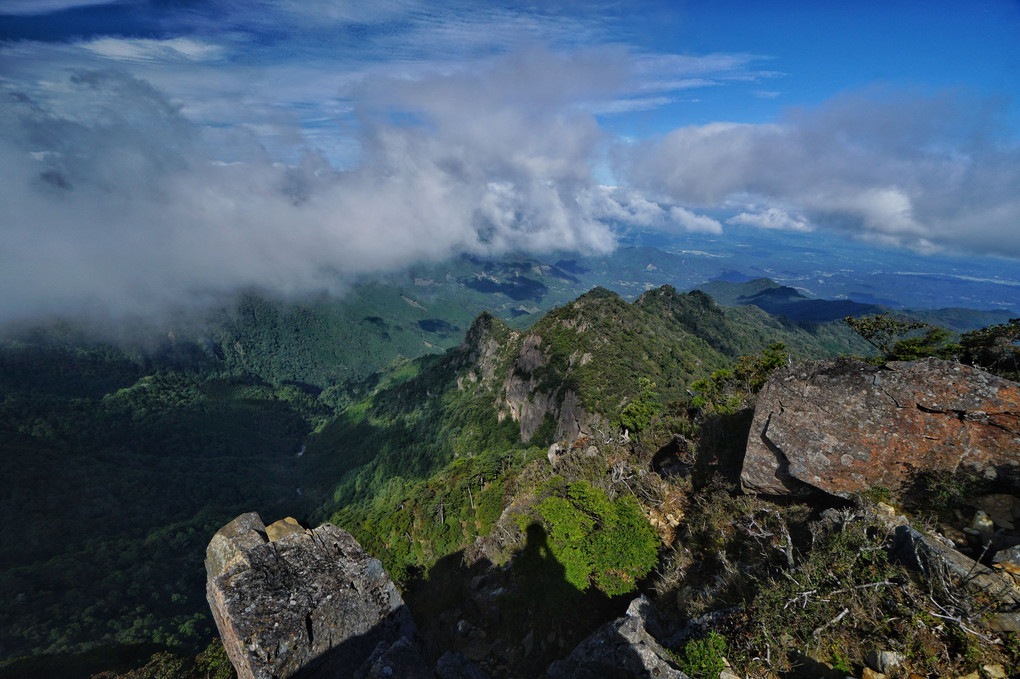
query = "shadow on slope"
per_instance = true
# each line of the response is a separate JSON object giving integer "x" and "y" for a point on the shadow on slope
{"x": 513, "y": 620}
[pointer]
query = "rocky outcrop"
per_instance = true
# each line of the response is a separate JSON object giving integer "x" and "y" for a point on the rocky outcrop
{"x": 844, "y": 426}
{"x": 309, "y": 603}
{"x": 624, "y": 648}
{"x": 524, "y": 399}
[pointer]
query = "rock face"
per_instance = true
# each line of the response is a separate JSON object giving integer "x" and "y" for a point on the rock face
{"x": 623, "y": 649}
{"x": 310, "y": 603}
{"x": 523, "y": 399}
{"x": 843, "y": 426}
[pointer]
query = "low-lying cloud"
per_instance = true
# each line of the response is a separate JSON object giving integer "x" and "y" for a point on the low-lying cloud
{"x": 116, "y": 201}
{"x": 119, "y": 206}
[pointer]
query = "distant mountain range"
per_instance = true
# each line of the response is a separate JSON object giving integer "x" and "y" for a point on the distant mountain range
{"x": 783, "y": 300}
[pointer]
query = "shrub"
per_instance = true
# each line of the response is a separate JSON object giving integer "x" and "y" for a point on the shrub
{"x": 599, "y": 541}
{"x": 994, "y": 348}
{"x": 704, "y": 658}
{"x": 638, "y": 414}
{"x": 754, "y": 371}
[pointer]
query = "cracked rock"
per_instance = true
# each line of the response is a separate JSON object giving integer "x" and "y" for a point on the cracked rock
{"x": 310, "y": 603}
{"x": 843, "y": 426}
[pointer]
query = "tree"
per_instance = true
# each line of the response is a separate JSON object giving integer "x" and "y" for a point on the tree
{"x": 994, "y": 348}
{"x": 754, "y": 371}
{"x": 882, "y": 330}
{"x": 716, "y": 393}
{"x": 934, "y": 342}
{"x": 638, "y": 414}
{"x": 892, "y": 338}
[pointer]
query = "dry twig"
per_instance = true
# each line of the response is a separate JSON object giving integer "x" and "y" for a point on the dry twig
{"x": 818, "y": 630}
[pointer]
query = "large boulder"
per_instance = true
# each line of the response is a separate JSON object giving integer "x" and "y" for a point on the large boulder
{"x": 842, "y": 426}
{"x": 307, "y": 603}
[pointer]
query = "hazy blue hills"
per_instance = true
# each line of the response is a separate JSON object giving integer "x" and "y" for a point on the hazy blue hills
{"x": 783, "y": 300}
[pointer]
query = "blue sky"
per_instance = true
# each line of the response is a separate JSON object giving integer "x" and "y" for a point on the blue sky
{"x": 160, "y": 150}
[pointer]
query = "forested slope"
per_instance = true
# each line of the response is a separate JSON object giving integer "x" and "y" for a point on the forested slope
{"x": 501, "y": 398}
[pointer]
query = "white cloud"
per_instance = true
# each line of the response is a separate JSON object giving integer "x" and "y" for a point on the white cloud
{"x": 915, "y": 171}
{"x": 173, "y": 49}
{"x": 696, "y": 223}
{"x": 613, "y": 204}
{"x": 629, "y": 105}
{"x": 121, "y": 207}
{"x": 772, "y": 218}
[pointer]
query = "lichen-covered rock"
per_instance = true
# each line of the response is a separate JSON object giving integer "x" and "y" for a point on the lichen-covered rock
{"x": 622, "y": 649}
{"x": 310, "y": 603}
{"x": 844, "y": 426}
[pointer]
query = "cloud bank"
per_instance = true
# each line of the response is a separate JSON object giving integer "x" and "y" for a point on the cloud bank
{"x": 119, "y": 207}
{"x": 130, "y": 191}
{"x": 899, "y": 169}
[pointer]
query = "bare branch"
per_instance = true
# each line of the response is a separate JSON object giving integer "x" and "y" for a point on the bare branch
{"x": 818, "y": 630}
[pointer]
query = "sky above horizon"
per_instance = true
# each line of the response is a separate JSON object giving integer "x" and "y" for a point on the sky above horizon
{"x": 156, "y": 152}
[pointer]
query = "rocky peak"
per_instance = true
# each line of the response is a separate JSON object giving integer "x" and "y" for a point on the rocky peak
{"x": 482, "y": 344}
{"x": 668, "y": 298}
{"x": 484, "y": 327}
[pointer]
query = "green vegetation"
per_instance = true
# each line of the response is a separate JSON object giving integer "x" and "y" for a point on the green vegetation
{"x": 897, "y": 340}
{"x": 802, "y": 592}
{"x": 608, "y": 543}
{"x": 118, "y": 465}
{"x": 713, "y": 393}
{"x": 409, "y": 525}
{"x": 995, "y": 348}
{"x": 638, "y": 414}
{"x": 116, "y": 479}
{"x": 943, "y": 492}
{"x": 726, "y": 391}
{"x": 754, "y": 371}
{"x": 704, "y": 658}
{"x": 417, "y": 457}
